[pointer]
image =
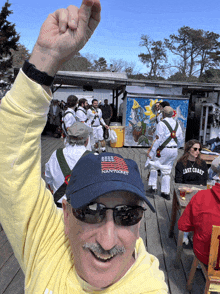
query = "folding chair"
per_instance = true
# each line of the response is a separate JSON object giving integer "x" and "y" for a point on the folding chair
{"x": 212, "y": 275}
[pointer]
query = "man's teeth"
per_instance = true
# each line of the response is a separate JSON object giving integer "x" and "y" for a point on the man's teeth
{"x": 103, "y": 257}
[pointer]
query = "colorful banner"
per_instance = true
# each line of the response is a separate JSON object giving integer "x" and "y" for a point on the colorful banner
{"x": 141, "y": 118}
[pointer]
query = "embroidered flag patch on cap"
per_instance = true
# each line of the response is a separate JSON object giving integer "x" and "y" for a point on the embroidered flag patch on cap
{"x": 114, "y": 164}
{"x": 96, "y": 175}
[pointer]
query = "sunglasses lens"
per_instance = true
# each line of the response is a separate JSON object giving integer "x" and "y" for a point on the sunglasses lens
{"x": 123, "y": 215}
{"x": 128, "y": 216}
{"x": 195, "y": 149}
{"x": 89, "y": 216}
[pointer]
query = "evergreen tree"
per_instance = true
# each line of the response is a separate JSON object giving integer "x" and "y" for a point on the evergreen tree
{"x": 20, "y": 55}
{"x": 155, "y": 58}
{"x": 197, "y": 51}
{"x": 77, "y": 63}
{"x": 8, "y": 40}
{"x": 100, "y": 64}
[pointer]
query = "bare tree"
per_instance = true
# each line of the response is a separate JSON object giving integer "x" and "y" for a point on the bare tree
{"x": 120, "y": 65}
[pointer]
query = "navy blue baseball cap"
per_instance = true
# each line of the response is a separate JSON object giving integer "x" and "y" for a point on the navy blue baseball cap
{"x": 96, "y": 175}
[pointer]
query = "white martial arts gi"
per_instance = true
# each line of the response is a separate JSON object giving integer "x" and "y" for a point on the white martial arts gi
{"x": 159, "y": 116}
{"x": 96, "y": 123}
{"x": 69, "y": 119}
{"x": 53, "y": 173}
{"x": 81, "y": 115}
{"x": 168, "y": 155}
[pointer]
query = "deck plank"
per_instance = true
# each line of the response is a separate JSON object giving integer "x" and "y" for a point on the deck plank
{"x": 177, "y": 280}
{"x": 5, "y": 253}
{"x": 8, "y": 272}
{"x": 3, "y": 239}
{"x": 17, "y": 284}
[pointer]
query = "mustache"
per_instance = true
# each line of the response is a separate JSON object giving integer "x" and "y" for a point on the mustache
{"x": 97, "y": 248}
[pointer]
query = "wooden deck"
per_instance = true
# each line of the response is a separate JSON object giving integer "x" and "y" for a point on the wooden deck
{"x": 154, "y": 231}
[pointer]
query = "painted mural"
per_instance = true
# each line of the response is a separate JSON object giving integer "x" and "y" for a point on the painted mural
{"x": 141, "y": 118}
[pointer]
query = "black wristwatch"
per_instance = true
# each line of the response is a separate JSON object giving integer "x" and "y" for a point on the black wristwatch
{"x": 38, "y": 76}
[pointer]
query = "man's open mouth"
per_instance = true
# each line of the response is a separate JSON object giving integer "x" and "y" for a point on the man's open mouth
{"x": 102, "y": 258}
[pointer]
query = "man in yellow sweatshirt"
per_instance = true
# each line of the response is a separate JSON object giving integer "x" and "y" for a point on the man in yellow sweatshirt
{"x": 93, "y": 245}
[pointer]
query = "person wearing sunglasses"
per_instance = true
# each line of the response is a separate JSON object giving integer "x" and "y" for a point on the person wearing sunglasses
{"x": 93, "y": 244}
{"x": 191, "y": 169}
{"x": 105, "y": 204}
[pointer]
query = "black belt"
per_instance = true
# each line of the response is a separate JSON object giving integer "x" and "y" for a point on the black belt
{"x": 171, "y": 147}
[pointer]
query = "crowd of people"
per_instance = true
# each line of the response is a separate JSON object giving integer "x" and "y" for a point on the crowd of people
{"x": 92, "y": 244}
{"x": 62, "y": 115}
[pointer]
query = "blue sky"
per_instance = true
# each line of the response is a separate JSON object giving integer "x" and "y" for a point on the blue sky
{"x": 123, "y": 23}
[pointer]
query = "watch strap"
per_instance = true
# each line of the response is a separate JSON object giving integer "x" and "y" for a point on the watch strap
{"x": 38, "y": 76}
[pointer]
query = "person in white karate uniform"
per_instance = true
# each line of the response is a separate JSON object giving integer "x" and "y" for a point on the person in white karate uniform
{"x": 81, "y": 115}
{"x": 81, "y": 112}
{"x": 96, "y": 121}
{"x": 78, "y": 135}
{"x": 69, "y": 117}
{"x": 164, "y": 151}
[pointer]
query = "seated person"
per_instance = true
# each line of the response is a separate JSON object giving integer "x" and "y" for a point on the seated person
{"x": 191, "y": 169}
{"x": 202, "y": 212}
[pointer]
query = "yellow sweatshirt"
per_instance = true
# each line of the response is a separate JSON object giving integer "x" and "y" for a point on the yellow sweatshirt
{"x": 30, "y": 219}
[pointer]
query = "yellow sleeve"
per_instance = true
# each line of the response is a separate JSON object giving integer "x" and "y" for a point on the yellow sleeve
{"x": 26, "y": 206}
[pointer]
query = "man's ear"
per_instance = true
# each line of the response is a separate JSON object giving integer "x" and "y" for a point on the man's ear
{"x": 66, "y": 213}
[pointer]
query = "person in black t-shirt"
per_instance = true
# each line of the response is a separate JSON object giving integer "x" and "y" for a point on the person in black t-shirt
{"x": 191, "y": 169}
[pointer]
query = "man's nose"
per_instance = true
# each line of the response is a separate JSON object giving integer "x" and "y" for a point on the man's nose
{"x": 107, "y": 232}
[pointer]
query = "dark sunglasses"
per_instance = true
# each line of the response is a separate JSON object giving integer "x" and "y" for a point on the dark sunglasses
{"x": 124, "y": 215}
{"x": 195, "y": 149}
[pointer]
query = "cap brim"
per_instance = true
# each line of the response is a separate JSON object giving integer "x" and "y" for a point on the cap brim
{"x": 90, "y": 193}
